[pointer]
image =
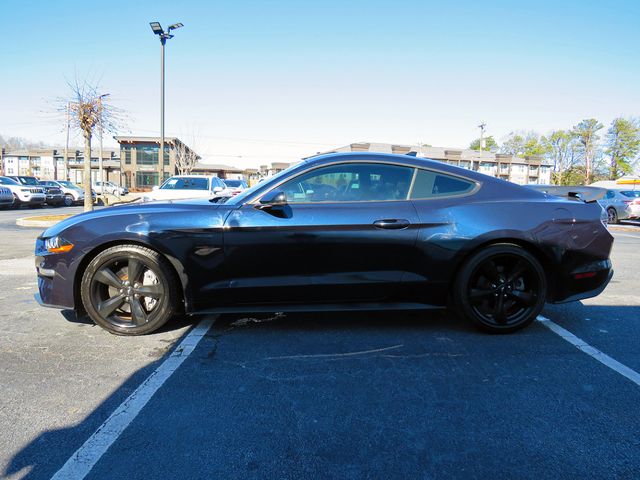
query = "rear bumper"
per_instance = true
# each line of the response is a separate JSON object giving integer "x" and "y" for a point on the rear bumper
{"x": 578, "y": 289}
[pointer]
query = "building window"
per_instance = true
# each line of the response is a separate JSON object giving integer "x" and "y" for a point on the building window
{"x": 146, "y": 179}
{"x": 126, "y": 153}
{"x": 148, "y": 154}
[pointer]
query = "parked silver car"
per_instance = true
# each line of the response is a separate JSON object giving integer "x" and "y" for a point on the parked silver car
{"x": 621, "y": 204}
{"x": 109, "y": 187}
{"x": 73, "y": 194}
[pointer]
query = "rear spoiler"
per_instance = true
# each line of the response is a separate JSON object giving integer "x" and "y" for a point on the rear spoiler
{"x": 580, "y": 192}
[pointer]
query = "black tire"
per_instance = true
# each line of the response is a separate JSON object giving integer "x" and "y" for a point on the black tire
{"x": 612, "y": 215}
{"x": 68, "y": 200}
{"x": 124, "y": 306}
{"x": 16, "y": 202}
{"x": 501, "y": 288}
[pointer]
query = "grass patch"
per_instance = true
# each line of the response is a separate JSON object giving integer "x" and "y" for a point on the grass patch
{"x": 48, "y": 218}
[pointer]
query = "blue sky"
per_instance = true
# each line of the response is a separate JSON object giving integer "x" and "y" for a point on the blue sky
{"x": 273, "y": 80}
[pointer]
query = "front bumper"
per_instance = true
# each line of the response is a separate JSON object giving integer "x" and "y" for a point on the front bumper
{"x": 55, "y": 199}
{"x": 55, "y": 278}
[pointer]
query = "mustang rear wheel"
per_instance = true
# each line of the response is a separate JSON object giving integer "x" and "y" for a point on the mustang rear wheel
{"x": 129, "y": 290}
{"x": 612, "y": 215}
{"x": 501, "y": 288}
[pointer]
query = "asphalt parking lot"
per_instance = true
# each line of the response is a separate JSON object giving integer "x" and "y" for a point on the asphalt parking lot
{"x": 393, "y": 395}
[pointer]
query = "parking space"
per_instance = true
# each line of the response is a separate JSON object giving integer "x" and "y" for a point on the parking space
{"x": 375, "y": 395}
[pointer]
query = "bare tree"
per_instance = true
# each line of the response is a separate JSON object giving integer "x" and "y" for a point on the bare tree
{"x": 88, "y": 109}
{"x": 186, "y": 158}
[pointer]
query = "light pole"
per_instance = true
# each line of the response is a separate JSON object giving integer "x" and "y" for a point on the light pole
{"x": 164, "y": 36}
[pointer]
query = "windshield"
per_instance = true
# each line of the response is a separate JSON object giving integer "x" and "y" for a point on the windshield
{"x": 631, "y": 193}
{"x": 234, "y": 183}
{"x": 186, "y": 183}
{"x": 259, "y": 186}
{"x": 67, "y": 184}
{"x": 28, "y": 180}
{"x": 8, "y": 181}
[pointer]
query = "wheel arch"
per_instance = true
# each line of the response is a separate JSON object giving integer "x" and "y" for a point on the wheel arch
{"x": 545, "y": 259}
{"x": 176, "y": 267}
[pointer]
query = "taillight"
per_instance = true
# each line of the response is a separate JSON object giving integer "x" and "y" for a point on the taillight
{"x": 579, "y": 276}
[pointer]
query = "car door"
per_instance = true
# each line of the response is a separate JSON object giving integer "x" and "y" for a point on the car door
{"x": 346, "y": 233}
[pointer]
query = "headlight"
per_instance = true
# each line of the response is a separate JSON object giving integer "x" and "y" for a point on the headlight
{"x": 57, "y": 245}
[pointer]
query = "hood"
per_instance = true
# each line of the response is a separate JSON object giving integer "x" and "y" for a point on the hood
{"x": 163, "y": 207}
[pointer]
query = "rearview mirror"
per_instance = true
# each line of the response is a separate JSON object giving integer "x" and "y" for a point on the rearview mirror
{"x": 275, "y": 198}
{"x": 217, "y": 189}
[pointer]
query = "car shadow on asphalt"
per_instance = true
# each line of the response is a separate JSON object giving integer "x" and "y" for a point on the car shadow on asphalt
{"x": 176, "y": 323}
{"x": 48, "y": 452}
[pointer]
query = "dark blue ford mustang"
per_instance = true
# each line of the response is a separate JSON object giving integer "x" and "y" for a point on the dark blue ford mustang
{"x": 337, "y": 232}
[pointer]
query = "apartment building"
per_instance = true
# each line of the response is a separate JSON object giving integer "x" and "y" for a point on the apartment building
{"x": 527, "y": 170}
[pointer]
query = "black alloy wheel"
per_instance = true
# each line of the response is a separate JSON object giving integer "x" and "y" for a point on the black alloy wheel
{"x": 68, "y": 200}
{"x": 501, "y": 288}
{"x": 129, "y": 290}
{"x": 612, "y": 215}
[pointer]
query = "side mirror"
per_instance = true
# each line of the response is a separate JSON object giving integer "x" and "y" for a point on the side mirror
{"x": 217, "y": 189}
{"x": 275, "y": 198}
{"x": 155, "y": 187}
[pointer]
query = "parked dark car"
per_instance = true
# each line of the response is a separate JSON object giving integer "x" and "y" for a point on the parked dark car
{"x": 54, "y": 194}
{"x": 336, "y": 232}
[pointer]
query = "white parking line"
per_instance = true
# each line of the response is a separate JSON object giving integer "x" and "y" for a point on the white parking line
{"x": 83, "y": 460}
{"x": 591, "y": 351}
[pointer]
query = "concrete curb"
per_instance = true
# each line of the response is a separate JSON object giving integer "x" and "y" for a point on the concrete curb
{"x": 35, "y": 222}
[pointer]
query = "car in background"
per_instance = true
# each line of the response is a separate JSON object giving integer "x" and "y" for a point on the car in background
{"x": 348, "y": 231}
{"x": 181, "y": 187}
{"x": 72, "y": 194}
{"x": 621, "y": 204}
{"x": 6, "y": 197}
{"x": 32, "y": 196}
{"x": 235, "y": 186}
{"x": 109, "y": 187}
{"x": 53, "y": 194}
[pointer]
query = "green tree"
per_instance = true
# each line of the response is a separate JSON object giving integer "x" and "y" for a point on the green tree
{"x": 490, "y": 145}
{"x": 561, "y": 149}
{"x": 586, "y": 133}
{"x": 524, "y": 144}
{"x": 622, "y": 146}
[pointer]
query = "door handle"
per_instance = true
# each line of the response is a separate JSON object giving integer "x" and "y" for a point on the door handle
{"x": 392, "y": 223}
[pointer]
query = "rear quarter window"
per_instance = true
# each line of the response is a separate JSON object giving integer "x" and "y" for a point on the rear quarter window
{"x": 434, "y": 185}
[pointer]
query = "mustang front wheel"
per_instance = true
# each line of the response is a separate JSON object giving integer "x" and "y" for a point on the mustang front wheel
{"x": 501, "y": 288}
{"x": 129, "y": 290}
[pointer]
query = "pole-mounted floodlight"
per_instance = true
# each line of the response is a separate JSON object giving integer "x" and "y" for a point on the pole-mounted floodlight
{"x": 157, "y": 29}
{"x": 164, "y": 36}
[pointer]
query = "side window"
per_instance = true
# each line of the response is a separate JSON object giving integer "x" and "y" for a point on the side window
{"x": 610, "y": 194}
{"x": 432, "y": 185}
{"x": 350, "y": 182}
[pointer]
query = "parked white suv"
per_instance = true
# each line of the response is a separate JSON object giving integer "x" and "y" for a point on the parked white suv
{"x": 28, "y": 195}
{"x": 188, "y": 186}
